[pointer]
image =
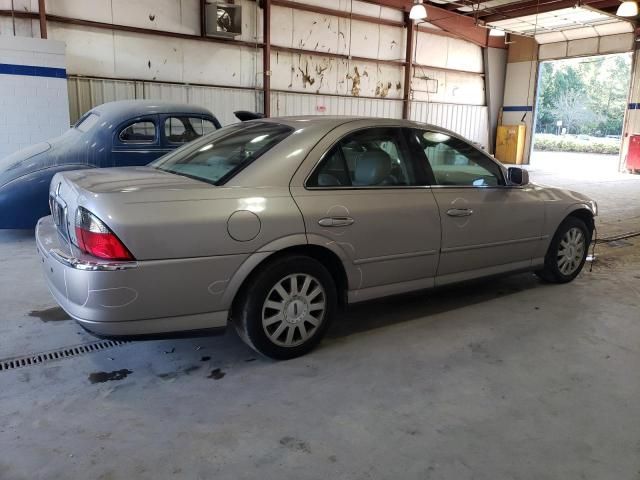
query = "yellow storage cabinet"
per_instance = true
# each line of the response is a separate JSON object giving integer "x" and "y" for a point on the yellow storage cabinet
{"x": 510, "y": 143}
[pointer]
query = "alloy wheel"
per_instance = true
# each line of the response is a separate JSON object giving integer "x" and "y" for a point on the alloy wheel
{"x": 571, "y": 251}
{"x": 293, "y": 310}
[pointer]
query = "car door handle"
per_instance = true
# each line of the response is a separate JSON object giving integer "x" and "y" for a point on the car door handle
{"x": 336, "y": 221}
{"x": 459, "y": 212}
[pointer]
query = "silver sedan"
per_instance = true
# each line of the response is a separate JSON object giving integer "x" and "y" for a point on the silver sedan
{"x": 271, "y": 225}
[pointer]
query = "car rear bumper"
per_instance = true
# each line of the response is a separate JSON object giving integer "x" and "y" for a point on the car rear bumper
{"x": 134, "y": 298}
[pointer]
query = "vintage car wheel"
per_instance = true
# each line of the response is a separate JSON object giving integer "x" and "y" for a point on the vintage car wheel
{"x": 567, "y": 252}
{"x": 286, "y": 307}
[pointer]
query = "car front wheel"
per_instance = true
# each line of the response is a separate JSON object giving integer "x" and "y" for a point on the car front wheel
{"x": 286, "y": 307}
{"x": 567, "y": 252}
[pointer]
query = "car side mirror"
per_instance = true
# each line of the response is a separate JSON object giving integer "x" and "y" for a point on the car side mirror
{"x": 518, "y": 176}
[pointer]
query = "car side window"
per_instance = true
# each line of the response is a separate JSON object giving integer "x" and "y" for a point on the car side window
{"x": 372, "y": 157}
{"x": 457, "y": 163}
{"x": 183, "y": 129}
{"x": 143, "y": 131}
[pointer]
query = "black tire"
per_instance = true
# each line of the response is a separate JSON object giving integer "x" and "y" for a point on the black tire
{"x": 551, "y": 271}
{"x": 249, "y": 307}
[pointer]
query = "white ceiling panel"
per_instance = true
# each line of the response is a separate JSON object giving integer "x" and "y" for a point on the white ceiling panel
{"x": 565, "y": 24}
{"x": 485, "y": 5}
{"x": 614, "y": 28}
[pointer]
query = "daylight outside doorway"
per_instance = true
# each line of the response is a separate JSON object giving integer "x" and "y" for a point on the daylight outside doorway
{"x": 579, "y": 115}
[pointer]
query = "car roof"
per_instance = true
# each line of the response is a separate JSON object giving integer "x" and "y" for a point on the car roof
{"x": 329, "y": 122}
{"x": 132, "y": 108}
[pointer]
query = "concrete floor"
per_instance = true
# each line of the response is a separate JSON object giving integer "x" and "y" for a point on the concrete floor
{"x": 502, "y": 379}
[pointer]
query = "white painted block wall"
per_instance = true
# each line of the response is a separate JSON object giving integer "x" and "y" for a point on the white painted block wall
{"x": 33, "y": 108}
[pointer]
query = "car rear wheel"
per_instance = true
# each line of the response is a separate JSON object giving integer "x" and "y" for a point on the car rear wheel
{"x": 567, "y": 252}
{"x": 286, "y": 307}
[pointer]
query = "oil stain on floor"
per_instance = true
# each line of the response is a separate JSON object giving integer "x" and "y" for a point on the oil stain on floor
{"x": 53, "y": 314}
{"x": 216, "y": 374}
{"x": 101, "y": 377}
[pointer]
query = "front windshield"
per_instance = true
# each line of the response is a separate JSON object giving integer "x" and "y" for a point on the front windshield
{"x": 223, "y": 153}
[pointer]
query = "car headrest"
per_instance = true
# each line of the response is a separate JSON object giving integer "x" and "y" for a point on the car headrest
{"x": 372, "y": 168}
{"x": 328, "y": 180}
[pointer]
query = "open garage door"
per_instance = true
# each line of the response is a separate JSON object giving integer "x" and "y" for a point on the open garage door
{"x": 579, "y": 115}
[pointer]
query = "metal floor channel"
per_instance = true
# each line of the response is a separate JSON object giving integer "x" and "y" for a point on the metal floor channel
{"x": 58, "y": 354}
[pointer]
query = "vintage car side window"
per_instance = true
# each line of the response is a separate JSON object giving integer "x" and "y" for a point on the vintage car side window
{"x": 139, "y": 132}
{"x": 373, "y": 157}
{"x": 202, "y": 125}
{"x": 456, "y": 163}
{"x": 183, "y": 129}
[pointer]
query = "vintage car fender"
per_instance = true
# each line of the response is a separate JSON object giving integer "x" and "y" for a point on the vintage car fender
{"x": 25, "y": 199}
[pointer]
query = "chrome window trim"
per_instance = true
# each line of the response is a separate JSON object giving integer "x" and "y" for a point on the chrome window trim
{"x": 415, "y": 187}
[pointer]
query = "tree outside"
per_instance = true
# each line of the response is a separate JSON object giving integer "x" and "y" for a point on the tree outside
{"x": 581, "y": 103}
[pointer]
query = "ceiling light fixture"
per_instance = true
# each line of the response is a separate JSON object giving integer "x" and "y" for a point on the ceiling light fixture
{"x": 627, "y": 9}
{"x": 418, "y": 11}
{"x": 496, "y": 32}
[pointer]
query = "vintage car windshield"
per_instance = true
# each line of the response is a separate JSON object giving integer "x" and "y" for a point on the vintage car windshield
{"x": 225, "y": 152}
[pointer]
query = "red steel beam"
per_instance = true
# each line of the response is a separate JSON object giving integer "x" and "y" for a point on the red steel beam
{"x": 203, "y": 18}
{"x": 127, "y": 28}
{"x": 408, "y": 67}
{"x": 335, "y": 13}
{"x": 42, "y": 14}
{"x": 266, "y": 57}
{"x": 462, "y": 26}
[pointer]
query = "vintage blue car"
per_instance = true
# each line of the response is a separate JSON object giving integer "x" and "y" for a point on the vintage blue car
{"x": 130, "y": 132}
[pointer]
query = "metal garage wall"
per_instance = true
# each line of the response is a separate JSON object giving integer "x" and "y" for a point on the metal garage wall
{"x": 86, "y": 93}
{"x": 290, "y": 103}
{"x": 470, "y": 121}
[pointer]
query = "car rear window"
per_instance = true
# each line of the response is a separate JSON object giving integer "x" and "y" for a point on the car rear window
{"x": 220, "y": 155}
{"x": 87, "y": 122}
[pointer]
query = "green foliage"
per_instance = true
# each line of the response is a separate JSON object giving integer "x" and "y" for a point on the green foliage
{"x": 589, "y": 95}
{"x": 554, "y": 143}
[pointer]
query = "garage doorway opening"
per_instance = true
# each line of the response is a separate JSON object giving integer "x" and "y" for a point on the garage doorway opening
{"x": 580, "y": 111}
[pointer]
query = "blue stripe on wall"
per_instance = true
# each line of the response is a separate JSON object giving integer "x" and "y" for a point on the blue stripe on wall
{"x": 518, "y": 108}
{"x": 634, "y": 106}
{"x": 32, "y": 71}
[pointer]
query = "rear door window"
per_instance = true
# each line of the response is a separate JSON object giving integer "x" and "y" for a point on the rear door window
{"x": 183, "y": 129}
{"x": 143, "y": 131}
{"x": 372, "y": 157}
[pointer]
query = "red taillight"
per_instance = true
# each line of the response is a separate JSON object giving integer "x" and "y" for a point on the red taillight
{"x": 95, "y": 238}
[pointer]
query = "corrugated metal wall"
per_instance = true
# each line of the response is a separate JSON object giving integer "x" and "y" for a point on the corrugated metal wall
{"x": 470, "y": 121}
{"x": 86, "y": 93}
{"x": 291, "y": 103}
